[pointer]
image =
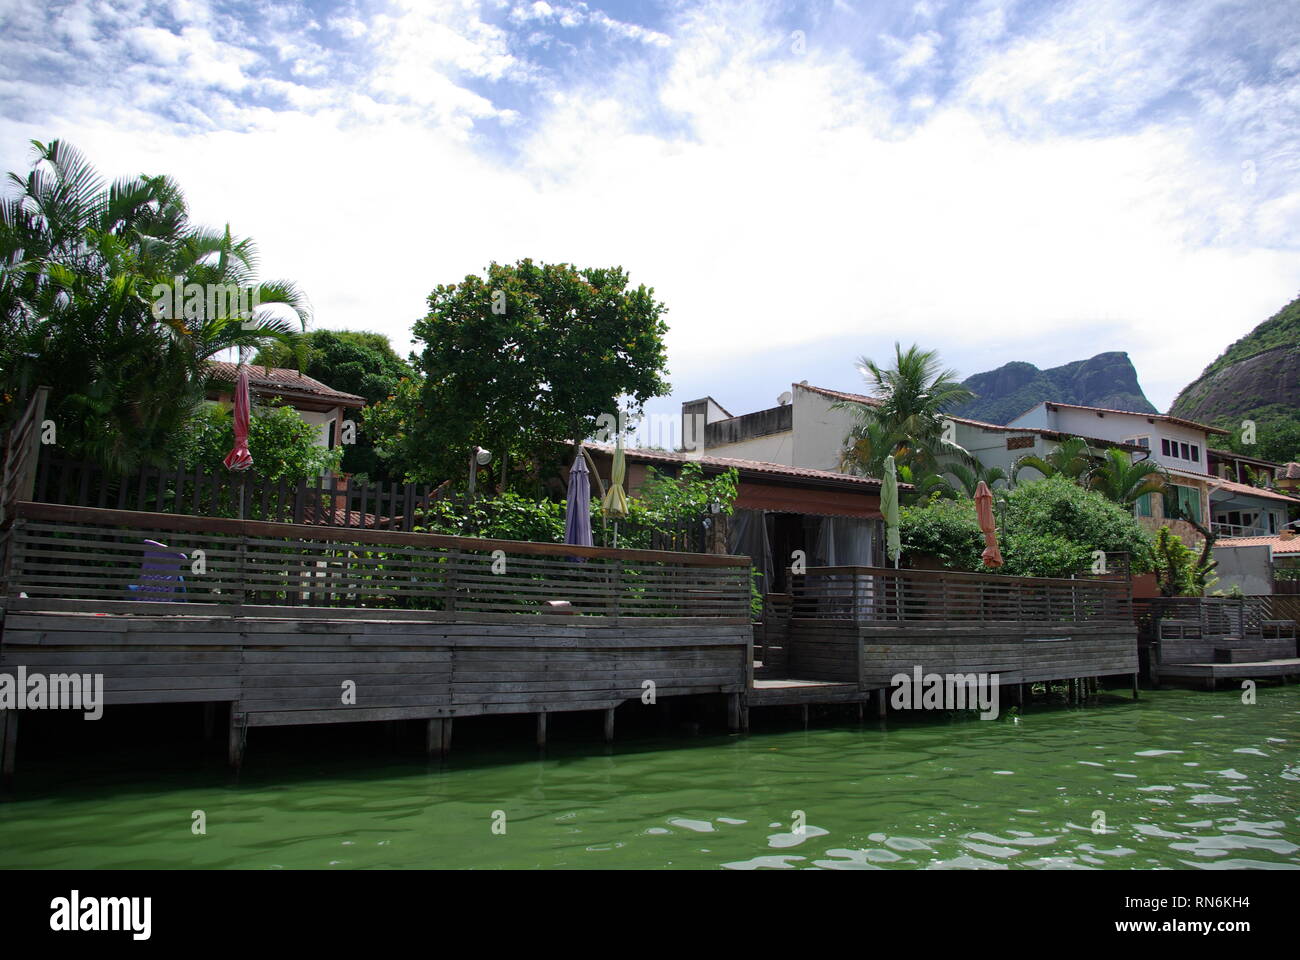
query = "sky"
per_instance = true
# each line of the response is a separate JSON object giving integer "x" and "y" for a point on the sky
{"x": 801, "y": 183}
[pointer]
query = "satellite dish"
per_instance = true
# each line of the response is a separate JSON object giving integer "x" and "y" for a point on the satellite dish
{"x": 784, "y": 399}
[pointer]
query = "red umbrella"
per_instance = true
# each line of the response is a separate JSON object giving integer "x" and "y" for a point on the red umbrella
{"x": 988, "y": 526}
{"x": 239, "y": 458}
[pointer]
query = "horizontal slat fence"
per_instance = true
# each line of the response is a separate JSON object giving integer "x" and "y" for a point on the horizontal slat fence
{"x": 194, "y": 491}
{"x": 63, "y": 552}
{"x": 884, "y": 594}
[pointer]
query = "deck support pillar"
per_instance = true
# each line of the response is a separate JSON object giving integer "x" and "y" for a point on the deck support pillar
{"x": 8, "y": 742}
{"x": 238, "y": 738}
{"x": 882, "y": 704}
{"x": 803, "y": 709}
{"x": 609, "y": 725}
{"x": 541, "y": 731}
{"x": 433, "y": 736}
{"x": 1135, "y": 686}
{"x": 733, "y": 712}
{"x": 209, "y": 721}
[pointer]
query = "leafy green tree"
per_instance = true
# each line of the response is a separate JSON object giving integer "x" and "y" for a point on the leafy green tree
{"x": 1051, "y": 527}
{"x": 1120, "y": 479}
{"x": 88, "y": 276}
{"x": 515, "y": 361}
{"x": 1048, "y": 528}
{"x": 946, "y": 530}
{"x": 355, "y": 362}
{"x": 283, "y": 445}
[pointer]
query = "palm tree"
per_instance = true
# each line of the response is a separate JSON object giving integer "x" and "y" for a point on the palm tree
{"x": 80, "y": 264}
{"x": 1117, "y": 477}
{"x": 905, "y": 417}
{"x": 968, "y": 477}
{"x": 1071, "y": 458}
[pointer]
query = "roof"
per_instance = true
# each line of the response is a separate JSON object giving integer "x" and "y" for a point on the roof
{"x": 707, "y": 399}
{"x": 1233, "y": 455}
{"x": 281, "y": 382}
{"x": 1276, "y": 542}
{"x": 755, "y": 468}
{"x": 1131, "y": 413}
{"x": 982, "y": 424}
{"x": 1246, "y": 489}
{"x": 1291, "y": 471}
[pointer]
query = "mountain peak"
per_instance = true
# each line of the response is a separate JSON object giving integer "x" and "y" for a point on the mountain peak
{"x": 1106, "y": 380}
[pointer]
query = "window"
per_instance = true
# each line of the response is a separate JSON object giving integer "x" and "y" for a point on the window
{"x": 1164, "y": 447}
{"x": 1187, "y": 454}
{"x": 1182, "y": 503}
{"x": 1144, "y": 505}
{"x": 1196, "y": 454}
{"x": 1139, "y": 441}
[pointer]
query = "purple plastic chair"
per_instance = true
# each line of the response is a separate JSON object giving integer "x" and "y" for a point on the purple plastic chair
{"x": 160, "y": 574}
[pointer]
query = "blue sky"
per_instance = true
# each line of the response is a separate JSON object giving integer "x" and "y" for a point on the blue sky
{"x": 802, "y": 183}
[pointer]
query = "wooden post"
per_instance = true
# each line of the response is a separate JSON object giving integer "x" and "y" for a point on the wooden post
{"x": 609, "y": 725}
{"x": 209, "y": 721}
{"x": 8, "y": 742}
{"x": 237, "y": 737}
{"x": 1135, "y": 686}
{"x": 882, "y": 704}
{"x": 446, "y": 736}
{"x": 803, "y": 709}
{"x": 434, "y": 737}
{"x": 541, "y": 730}
{"x": 733, "y": 712}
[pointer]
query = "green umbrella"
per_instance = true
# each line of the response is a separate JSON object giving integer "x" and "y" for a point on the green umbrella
{"x": 889, "y": 509}
{"x": 614, "y": 503}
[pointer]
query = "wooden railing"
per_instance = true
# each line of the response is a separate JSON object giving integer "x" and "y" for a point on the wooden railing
{"x": 60, "y": 555}
{"x": 884, "y": 594}
{"x": 220, "y": 493}
{"x": 21, "y": 452}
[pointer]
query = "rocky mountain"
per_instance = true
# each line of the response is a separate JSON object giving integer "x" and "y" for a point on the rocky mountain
{"x": 1106, "y": 380}
{"x": 1257, "y": 378}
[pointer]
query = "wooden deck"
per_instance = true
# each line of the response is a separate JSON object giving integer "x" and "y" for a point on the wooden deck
{"x": 867, "y": 625}
{"x": 294, "y": 625}
{"x": 1211, "y": 673}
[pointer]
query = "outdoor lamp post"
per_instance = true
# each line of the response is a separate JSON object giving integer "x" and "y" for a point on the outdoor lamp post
{"x": 479, "y": 458}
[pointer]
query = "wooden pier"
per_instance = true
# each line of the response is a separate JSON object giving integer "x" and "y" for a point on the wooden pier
{"x": 297, "y": 624}
{"x": 1212, "y": 639}
{"x": 293, "y": 624}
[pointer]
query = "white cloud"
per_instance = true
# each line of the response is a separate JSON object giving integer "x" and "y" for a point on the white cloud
{"x": 790, "y": 204}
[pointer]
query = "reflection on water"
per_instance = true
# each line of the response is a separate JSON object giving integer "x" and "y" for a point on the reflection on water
{"x": 1180, "y": 779}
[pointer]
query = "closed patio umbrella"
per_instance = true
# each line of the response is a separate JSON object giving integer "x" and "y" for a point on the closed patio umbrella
{"x": 614, "y": 503}
{"x": 988, "y": 525}
{"x": 889, "y": 510}
{"x": 577, "y": 519}
{"x": 239, "y": 458}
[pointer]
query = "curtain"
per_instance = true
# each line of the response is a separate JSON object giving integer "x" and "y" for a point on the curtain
{"x": 847, "y": 542}
{"x": 748, "y": 538}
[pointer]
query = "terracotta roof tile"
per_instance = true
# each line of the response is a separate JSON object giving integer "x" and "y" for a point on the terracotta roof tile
{"x": 283, "y": 382}
{"x": 1277, "y": 543}
{"x": 752, "y": 466}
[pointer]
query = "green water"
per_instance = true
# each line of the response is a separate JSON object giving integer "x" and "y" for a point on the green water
{"x": 1183, "y": 778}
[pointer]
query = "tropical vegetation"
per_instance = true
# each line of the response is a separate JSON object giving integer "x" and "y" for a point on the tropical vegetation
{"x": 114, "y": 298}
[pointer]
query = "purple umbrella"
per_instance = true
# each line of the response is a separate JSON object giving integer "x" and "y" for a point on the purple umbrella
{"x": 577, "y": 521}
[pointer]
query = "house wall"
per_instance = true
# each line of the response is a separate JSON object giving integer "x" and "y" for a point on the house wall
{"x": 819, "y": 430}
{"x": 1119, "y": 427}
{"x": 990, "y": 447}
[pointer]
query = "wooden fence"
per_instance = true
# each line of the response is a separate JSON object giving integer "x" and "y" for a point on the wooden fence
{"x": 198, "y": 492}
{"x": 884, "y": 594}
{"x": 97, "y": 559}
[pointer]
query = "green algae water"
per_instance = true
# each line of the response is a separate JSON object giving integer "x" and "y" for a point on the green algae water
{"x": 1181, "y": 779}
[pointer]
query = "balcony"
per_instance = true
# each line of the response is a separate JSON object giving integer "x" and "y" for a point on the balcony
{"x": 1239, "y": 530}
